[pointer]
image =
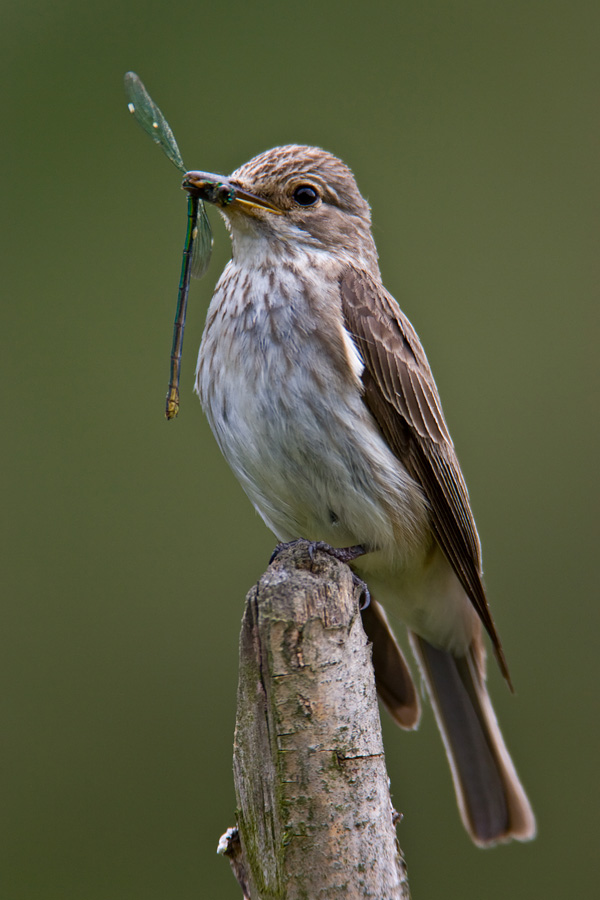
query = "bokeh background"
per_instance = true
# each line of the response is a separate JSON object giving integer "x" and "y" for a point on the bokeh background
{"x": 127, "y": 545}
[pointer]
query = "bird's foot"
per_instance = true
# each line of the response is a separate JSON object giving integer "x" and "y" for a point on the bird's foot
{"x": 342, "y": 554}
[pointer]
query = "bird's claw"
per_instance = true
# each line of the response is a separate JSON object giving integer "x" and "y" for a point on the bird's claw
{"x": 281, "y": 546}
{"x": 342, "y": 554}
{"x": 364, "y": 598}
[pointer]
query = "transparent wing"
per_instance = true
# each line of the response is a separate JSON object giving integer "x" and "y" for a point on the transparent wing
{"x": 148, "y": 115}
{"x": 203, "y": 244}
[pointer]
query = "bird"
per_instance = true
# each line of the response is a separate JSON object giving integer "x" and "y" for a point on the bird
{"x": 322, "y": 401}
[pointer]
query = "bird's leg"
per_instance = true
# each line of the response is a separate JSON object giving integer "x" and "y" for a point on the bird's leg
{"x": 342, "y": 554}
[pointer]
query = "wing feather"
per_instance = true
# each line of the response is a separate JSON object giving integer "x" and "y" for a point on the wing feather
{"x": 400, "y": 391}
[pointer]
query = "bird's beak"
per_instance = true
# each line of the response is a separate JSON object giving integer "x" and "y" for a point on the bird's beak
{"x": 219, "y": 190}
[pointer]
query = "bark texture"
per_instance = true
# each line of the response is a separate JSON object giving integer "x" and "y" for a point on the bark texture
{"x": 315, "y": 814}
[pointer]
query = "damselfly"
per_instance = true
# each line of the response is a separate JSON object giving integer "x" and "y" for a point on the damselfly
{"x": 198, "y": 238}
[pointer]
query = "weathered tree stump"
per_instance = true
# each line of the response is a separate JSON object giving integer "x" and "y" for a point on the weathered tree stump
{"x": 314, "y": 811}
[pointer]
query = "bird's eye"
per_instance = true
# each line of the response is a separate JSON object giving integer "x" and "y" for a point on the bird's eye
{"x": 305, "y": 195}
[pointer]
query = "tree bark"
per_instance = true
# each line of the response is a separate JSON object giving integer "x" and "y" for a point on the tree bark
{"x": 314, "y": 811}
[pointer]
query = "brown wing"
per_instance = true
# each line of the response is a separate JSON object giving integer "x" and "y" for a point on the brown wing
{"x": 402, "y": 396}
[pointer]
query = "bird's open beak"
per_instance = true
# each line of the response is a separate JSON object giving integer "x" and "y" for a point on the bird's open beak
{"x": 219, "y": 190}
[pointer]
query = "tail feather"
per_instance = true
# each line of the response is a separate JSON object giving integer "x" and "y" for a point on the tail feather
{"x": 393, "y": 679}
{"x": 492, "y": 803}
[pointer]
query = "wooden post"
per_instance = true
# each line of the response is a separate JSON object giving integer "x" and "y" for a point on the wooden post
{"x": 314, "y": 811}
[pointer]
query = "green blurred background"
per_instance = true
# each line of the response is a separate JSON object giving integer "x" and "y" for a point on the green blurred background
{"x": 128, "y": 546}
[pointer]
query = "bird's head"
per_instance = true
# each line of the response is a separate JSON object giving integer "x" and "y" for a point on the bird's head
{"x": 291, "y": 198}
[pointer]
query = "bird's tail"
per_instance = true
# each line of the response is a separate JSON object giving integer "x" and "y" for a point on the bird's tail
{"x": 492, "y": 803}
{"x": 394, "y": 682}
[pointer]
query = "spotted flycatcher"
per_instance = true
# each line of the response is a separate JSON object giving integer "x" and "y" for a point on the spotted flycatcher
{"x": 322, "y": 401}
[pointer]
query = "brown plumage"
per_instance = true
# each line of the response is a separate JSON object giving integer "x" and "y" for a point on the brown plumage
{"x": 402, "y": 395}
{"x": 322, "y": 400}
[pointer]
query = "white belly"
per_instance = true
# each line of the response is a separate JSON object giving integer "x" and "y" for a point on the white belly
{"x": 292, "y": 424}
